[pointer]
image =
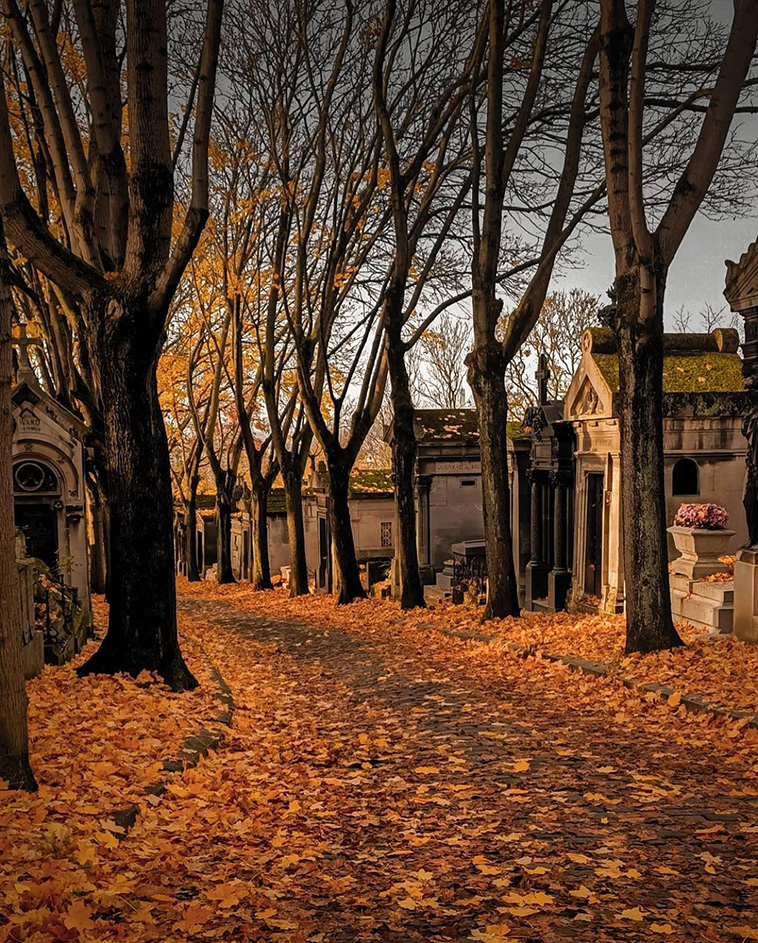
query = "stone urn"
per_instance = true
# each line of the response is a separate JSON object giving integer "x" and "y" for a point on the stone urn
{"x": 700, "y": 550}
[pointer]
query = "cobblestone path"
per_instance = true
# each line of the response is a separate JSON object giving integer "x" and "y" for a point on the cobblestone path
{"x": 408, "y": 786}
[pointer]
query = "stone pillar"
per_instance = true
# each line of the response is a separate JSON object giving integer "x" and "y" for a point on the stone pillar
{"x": 745, "y": 625}
{"x": 740, "y": 292}
{"x": 423, "y": 535}
{"x": 536, "y": 519}
{"x": 559, "y": 524}
{"x": 536, "y": 587}
{"x": 559, "y": 578}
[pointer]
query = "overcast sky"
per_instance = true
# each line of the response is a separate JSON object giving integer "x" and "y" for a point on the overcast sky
{"x": 697, "y": 275}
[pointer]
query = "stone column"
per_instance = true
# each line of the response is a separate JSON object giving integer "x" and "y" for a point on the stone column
{"x": 536, "y": 581}
{"x": 559, "y": 578}
{"x": 559, "y": 524}
{"x": 536, "y": 518}
{"x": 423, "y": 536}
{"x": 740, "y": 291}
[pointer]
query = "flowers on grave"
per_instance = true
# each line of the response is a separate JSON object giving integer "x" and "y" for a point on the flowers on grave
{"x": 701, "y": 516}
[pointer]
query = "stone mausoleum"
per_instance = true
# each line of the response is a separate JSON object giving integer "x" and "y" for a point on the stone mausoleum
{"x": 49, "y": 487}
{"x": 565, "y": 476}
{"x": 704, "y": 450}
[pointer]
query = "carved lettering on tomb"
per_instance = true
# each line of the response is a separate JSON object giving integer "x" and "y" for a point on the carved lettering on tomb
{"x": 28, "y": 420}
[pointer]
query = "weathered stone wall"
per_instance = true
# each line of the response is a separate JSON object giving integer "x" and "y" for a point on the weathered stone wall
{"x": 718, "y": 448}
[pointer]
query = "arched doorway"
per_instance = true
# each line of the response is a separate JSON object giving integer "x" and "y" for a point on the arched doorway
{"x": 37, "y": 504}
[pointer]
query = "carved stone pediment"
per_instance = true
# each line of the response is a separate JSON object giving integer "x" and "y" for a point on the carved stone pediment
{"x": 586, "y": 402}
{"x": 741, "y": 289}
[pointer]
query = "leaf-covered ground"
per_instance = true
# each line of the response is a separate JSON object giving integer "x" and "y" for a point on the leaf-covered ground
{"x": 386, "y": 782}
{"x": 96, "y": 744}
{"x": 721, "y": 670}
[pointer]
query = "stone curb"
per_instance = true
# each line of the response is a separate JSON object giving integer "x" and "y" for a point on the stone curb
{"x": 690, "y": 701}
{"x": 192, "y": 750}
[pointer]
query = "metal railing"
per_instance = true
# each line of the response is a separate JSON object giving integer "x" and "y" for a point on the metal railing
{"x": 58, "y": 628}
{"x": 470, "y": 572}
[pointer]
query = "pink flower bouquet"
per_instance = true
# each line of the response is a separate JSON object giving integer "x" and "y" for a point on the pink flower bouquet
{"x": 703, "y": 516}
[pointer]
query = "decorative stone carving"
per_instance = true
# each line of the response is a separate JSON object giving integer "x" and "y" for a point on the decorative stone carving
{"x": 587, "y": 400}
{"x": 741, "y": 290}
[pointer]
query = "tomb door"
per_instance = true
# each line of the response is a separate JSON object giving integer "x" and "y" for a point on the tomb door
{"x": 39, "y": 524}
{"x": 36, "y": 495}
{"x": 593, "y": 557}
{"x": 548, "y": 552}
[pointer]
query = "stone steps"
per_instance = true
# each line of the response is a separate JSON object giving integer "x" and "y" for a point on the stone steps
{"x": 707, "y": 606}
{"x": 435, "y": 594}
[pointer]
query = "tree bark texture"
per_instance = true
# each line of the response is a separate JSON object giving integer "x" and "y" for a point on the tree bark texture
{"x": 14, "y": 748}
{"x": 224, "y": 507}
{"x": 98, "y": 549}
{"x": 261, "y": 574}
{"x": 293, "y": 493}
{"x": 486, "y": 376}
{"x": 643, "y": 498}
{"x": 124, "y": 279}
{"x": 190, "y": 533}
{"x": 404, "y": 448}
{"x": 347, "y": 573}
{"x": 142, "y": 631}
{"x": 487, "y": 361}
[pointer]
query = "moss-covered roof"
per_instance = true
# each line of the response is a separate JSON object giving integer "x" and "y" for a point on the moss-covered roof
{"x": 710, "y": 372}
{"x": 452, "y": 425}
{"x": 515, "y": 430}
{"x": 456, "y": 425}
{"x": 371, "y": 481}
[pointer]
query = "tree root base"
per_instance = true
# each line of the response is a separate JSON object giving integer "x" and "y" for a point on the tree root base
{"x": 174, "y": 670}
{"x": 17, "y": 772}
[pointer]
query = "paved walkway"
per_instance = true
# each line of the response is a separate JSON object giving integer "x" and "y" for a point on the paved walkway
{"x": 401, "y": 786}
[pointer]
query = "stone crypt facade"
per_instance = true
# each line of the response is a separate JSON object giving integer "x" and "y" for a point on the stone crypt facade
{"x": 741, "y": 292}
{"x": 49, "y": 487}
{"x": 704, "y": 448}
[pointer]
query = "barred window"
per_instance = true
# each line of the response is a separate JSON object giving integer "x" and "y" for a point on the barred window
{"x": 386, "y": 533}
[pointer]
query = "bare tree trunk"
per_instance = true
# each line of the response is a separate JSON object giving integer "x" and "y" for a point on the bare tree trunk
{"x": 261, "y": 576}
{"x": 190, "y": 532}
{"x": 14, "y": 749}
{"x": 347, "y": 574}
{"x": 486, "y": 377}
{"x": 224, "y": 572}
{"x": 142, "y": 631}
{"x": 647, "y": 590}
{"x": 98, "y": 551}
{"x": 404, "y": 449}
{"x": 293, "y": 493}
{"x": 224, "y": 508}
{"x": 487, "y": 361}
{"x": 643, "y": 258}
